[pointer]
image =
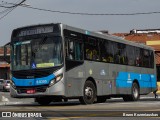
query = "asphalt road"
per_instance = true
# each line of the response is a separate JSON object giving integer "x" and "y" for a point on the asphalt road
{"x": 147, "y": 108}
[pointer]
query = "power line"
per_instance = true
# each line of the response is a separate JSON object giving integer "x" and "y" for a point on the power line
{"x": 92, "y": 14}
{"x": 9, "y": 9}
{"x": 15, "y": 5}
{"x": 89, "y": 14}
{"x": 2, "y": 12}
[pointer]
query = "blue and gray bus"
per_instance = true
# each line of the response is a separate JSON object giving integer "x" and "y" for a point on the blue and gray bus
{"x": 55, "y": 62}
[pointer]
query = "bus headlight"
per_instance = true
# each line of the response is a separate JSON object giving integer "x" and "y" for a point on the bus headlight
{"x": 56, "y": 79}
{"x": 12, "y": 83}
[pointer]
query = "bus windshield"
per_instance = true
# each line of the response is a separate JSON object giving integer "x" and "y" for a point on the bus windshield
{"x": 37, "y": 53}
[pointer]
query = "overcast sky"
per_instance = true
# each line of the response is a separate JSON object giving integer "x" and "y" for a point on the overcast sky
{"x": 114, "y": 24}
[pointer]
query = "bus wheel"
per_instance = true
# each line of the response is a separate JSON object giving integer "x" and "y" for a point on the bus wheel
{"x": 43, "y": 100}
{"x": 134, "y": 95}
{"x": 135, "y": 92}
{"x": 89, "y": 93}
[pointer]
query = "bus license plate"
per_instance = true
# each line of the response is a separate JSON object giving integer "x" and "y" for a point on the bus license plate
{"x": 31, "y": 91}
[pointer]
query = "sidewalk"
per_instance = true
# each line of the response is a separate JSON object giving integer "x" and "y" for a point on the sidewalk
{"x": 5, "y": 99}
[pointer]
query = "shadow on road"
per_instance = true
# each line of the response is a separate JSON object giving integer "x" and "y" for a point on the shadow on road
{"x": 76, "y": 103}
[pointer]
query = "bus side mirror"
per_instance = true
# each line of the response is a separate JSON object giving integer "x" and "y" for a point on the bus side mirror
{"x": 5, "y": 52}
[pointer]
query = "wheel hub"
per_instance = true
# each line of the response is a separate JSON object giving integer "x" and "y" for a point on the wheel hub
{"x": 89, "y": 92}
{"x": 135, "y": 92}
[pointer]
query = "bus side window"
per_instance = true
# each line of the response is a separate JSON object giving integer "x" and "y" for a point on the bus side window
{"x": 106, "y": 50}
{"x": 78, "y": 51}
{"x": 131, "y": 55}
{"x": 146, "y": 58}
{"x": 137, "y": 56}
{"x": 103, "y": 51}
{"x": 110, "y": 50}
{"x": 67, "y": 48}
{"x": 151, "y": 59}
{"x": 120, "y": 53}
{"x": 91, "y": 49}
{"x": 74, "y": 50}
{"x": 89, "y": 53}
{"x": 141, "y": 58}
{"x": 71, "y": 50}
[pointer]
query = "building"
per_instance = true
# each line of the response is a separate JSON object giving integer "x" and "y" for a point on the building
{"x": 4, "y": 66}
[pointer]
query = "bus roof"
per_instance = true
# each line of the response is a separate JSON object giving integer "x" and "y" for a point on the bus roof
{"x": 107, "y": 36}
{"x": 91, "y": 33}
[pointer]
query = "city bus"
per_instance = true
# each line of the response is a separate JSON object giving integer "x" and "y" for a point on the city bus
{"x": 57, "y": 62}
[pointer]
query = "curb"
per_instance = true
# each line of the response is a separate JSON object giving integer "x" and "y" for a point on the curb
{"x": 9, "y": 103}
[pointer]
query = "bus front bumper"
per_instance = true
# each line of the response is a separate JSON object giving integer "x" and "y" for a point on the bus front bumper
{"x": 38, "y": 91}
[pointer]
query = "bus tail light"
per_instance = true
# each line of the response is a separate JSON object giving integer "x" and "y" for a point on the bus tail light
{"x": 55, "y": 80}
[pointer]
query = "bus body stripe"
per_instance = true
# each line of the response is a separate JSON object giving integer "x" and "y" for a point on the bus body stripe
{"x": 125, "y": 79}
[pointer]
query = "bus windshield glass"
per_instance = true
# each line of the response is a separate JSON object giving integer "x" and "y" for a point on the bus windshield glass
{"x": 37, "y": 53}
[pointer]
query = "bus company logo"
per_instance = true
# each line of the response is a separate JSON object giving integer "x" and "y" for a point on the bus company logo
{"x": 6, "y": 114}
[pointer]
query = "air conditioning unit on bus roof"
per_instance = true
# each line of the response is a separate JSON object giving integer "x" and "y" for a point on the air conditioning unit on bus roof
{"x": 145, "y": 31}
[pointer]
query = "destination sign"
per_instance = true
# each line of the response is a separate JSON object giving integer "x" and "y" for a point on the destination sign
{"x": 37, "y": 30}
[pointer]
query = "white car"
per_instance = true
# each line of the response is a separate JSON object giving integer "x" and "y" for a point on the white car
{"x": 4, "y": 85}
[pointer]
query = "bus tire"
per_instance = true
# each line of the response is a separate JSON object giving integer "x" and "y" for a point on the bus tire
{"x": 89, "y": 93}
{"x": 43, "y": 100}
{"x": 135, "y": 94}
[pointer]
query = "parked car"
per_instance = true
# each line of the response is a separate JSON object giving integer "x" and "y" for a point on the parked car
{"x": 1, "y": 84}
{"x": 4, "y": 85}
